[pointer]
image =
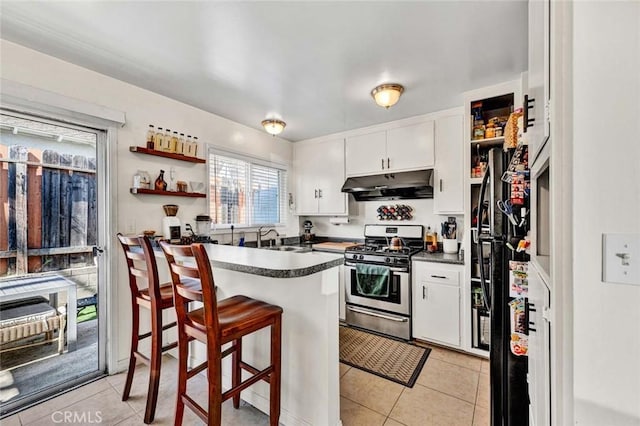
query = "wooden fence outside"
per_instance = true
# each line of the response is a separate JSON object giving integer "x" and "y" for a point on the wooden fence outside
{"x": 48, "y": 210}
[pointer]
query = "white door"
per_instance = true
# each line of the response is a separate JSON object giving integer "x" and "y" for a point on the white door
{"x": 410, "y": 147}
{"x": 441, "y": 312}
{"x": 448, "y": 181}
{"x": 366, "y": 154}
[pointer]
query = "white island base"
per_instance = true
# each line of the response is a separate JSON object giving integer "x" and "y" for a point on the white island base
{"x": 310, "y": 393}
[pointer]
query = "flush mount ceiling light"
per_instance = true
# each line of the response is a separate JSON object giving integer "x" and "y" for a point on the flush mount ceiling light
{"x": 388, "y": 94}
{"x": 273, "y": 126}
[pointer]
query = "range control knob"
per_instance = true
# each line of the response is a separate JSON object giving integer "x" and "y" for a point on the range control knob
{"x": 355, "y": 256}
{"x": 388, "y": 260}
{"x": 361, "y": 256}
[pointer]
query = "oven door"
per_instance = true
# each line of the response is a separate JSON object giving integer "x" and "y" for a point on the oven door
{"x": 395, "y": 300}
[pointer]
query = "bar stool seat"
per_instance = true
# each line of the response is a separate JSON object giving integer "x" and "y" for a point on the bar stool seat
{"x": 237, "y": 316}
{"x": 215, "y": 324}
{"x": 166, "y": 295}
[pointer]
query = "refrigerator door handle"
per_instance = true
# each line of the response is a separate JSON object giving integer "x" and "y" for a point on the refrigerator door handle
{"x": 483, "y": 279}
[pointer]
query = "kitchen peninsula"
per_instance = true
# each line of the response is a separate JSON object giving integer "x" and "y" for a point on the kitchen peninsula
{"x": 305, "y": 285}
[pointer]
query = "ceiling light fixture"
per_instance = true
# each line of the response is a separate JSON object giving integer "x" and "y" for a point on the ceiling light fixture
{"x": 387, "y": 94}
{"x": 273, "y": 126}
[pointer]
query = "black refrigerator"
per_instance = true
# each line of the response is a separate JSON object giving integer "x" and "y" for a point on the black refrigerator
{"x": 496, "y": 244}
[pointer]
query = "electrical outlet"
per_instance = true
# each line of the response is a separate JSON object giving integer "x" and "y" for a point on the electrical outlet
{"x": 621, "y": 258}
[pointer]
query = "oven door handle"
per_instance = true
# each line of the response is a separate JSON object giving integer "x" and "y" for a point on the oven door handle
{"x": 391, "y": 268}
{"x": 375, "y": 314}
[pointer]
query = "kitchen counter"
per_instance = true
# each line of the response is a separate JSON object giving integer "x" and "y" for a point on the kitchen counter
{"x": 306, "y": 286}
{"x": 270, "y": 263}
{"x": 424, "y": 256}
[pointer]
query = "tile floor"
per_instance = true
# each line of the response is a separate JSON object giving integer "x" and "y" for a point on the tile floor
{"x": 453, "y": 389}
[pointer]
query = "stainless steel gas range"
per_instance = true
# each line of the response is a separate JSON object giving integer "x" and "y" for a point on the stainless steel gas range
{"x": 378, "y": 279}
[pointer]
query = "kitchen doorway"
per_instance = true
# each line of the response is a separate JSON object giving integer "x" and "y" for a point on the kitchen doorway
{"x": 52, "y": 328}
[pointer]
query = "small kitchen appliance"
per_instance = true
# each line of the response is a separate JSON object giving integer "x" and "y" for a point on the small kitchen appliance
{"x": 385, "y": 260}
{"x": 307, "y": 236}
{"x": 203, "y": 225}
{"x": 171, "y": 224}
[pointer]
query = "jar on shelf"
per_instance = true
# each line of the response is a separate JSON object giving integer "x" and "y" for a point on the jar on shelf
{"x": 145, "y": 179}
{"x": 158, "y": 140}
{"x": 180, "y": 145}
{"x": 490, "y": 132}
{"x": 194, "y": 151}
{"x": 167, "y": 140}
{"x": 498, "y": 132}
{"x": 188, "y": 143}
{"x": 151, "y": 133}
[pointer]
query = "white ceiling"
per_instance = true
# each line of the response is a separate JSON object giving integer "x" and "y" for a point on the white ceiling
{"x": 312, "y": 64}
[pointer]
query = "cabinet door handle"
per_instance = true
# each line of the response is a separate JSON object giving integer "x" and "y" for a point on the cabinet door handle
{"x": 424, "y": 292}
{"x": 315, "y": 193}
{"x": 440, "y": 185}
{"x": 439, "y": 276}
{"x": 382, "y": 160}
{"x": 388, "y": 163}
{"x": 319, "y": 193}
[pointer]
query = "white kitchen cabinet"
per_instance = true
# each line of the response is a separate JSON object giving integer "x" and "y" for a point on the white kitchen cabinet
{"x": 342, "y": 297}
{"x": 448, "y": 180}
{"x": 366, "y": 154}
{"x": 410, "y": 147}
{"x": 397, "y": 149}
{"x": 538, "y": 74}
{"x": 436, "y": 303}
{"x": 319, "y": 178}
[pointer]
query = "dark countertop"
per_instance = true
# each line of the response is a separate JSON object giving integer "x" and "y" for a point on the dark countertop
{"x": 424, "y": 256}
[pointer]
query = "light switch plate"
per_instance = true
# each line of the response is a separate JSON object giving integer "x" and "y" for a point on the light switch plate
{"x": 621, "y": 258}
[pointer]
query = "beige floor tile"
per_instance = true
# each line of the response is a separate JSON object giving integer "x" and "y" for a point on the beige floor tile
{"x": 369, "y": 390}
{"x": 353, "y": 414}
{"x": 104, "y": 408}
{"x": 11, "y": 421}
{"x": 484, "y": 367}
{"x": 344, "y": 368}
{"x": 133, "y": 420}
{"x": 46, "y": 408}
{"x": 421, "y": 406}
{"x": 391, "y": 422}
{"x": 451, "y": 379}
{"x": 481, "y": 416}
{"x": 457, "y": 358}
{"x": 483, "y": 396}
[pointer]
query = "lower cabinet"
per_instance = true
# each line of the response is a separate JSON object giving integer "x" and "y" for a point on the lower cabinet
{"x": 342, "y": 296}
{"x": 436, "y": 303}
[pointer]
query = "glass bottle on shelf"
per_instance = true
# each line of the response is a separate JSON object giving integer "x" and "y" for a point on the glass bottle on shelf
{"x": 174, "y": 142}
{"x": 188, "y": 144}
{"x": 167, "y": 140}
{"x": 158, "y": 140}
{"x": 151, "y": 133}
{"x": 194, "y": 151}
{"x": 161, "y": 184}
{"x": 180, "y": 146}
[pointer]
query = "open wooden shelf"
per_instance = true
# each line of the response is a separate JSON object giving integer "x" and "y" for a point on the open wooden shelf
{"x": 488, "y": 141}
{"x": 173, "y": 193}
{"x": 181, "y": 157}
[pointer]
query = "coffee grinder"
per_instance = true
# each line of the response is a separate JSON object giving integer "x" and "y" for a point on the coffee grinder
{"x": 171, "y": 224}
{"x": 307, "y": 236}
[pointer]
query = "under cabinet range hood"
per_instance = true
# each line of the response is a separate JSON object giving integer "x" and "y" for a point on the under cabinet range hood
{"x": 390, "y": 186}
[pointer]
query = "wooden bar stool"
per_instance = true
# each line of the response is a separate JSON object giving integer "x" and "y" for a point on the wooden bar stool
{"x": 216, "y": 324}
{"x": 156, "y": 297}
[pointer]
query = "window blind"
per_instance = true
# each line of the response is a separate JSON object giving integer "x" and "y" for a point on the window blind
{"x": 245, "y": 193}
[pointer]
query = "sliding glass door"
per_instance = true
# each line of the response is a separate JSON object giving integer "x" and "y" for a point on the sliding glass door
{"x": 50, "y": 282}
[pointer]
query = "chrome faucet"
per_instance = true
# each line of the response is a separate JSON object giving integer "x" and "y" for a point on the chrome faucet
{"x": 260, "y": 234}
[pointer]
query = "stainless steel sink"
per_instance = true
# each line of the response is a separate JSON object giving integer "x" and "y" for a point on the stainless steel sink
{"x": 290, "y": 248}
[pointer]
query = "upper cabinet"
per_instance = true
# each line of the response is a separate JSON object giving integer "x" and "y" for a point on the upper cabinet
{"x": 398, "y": 149}
{"x": 537, "y": 101}
{"x": 319, "y": 178}
{"x": 448, "y": 186}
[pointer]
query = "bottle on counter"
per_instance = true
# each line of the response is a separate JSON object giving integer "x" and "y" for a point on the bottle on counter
{"x": 158, "y": 139}
{"x": 428, "y": 238}
{"x": 151, "y": 133}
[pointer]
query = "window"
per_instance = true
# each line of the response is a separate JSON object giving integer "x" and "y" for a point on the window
{"x": 245, "y": 191}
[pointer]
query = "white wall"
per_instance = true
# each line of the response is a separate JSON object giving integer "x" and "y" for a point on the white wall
{"x": 135, "y": 213}
{"x": 606, "y": 197}
{"x": 365, "y": 212}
